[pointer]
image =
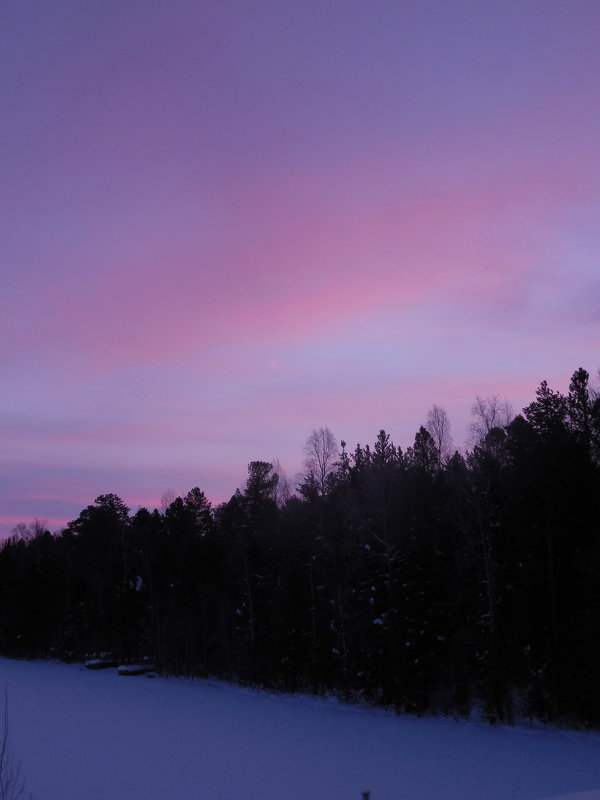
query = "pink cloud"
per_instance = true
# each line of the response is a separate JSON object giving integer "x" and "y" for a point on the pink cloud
{"x": 303, "y": 275}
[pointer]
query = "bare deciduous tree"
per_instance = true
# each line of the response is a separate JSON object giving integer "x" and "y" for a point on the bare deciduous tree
{"x": 487, "y": 413}
{"x": 20, "y": 533}
{"x": 438, "y": 426}
{"x": 284, "y": 485}
{"x": 320, "y": 454}
{"x": 25, "y": 533}
{"x": 165, "y": 501}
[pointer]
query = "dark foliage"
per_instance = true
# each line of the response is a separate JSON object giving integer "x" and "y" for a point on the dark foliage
{"x": 424, "y": 583}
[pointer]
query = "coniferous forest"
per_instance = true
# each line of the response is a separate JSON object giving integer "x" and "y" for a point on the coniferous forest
{"x": 421, "y": 580}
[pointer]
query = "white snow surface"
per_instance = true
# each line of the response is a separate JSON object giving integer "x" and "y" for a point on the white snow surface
{"x": 92, "y": 735}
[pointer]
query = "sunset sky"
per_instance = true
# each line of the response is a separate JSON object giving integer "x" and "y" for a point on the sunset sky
{"x": 223, "y": 224}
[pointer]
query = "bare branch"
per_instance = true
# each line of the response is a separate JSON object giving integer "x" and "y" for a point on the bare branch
{"x": 438, "y": 426}
{"x": 487, "y": 413}
{"x": 320, "y": 453}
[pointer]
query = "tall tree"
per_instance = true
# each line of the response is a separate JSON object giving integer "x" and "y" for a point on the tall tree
{"x": 261, "y": 487}
{"x": 320, "y": 455}
{"x": 487, "y": 413}
{"x": 580, "y": 410}
{"x": 438, "y": 426}
{"x": 547, "y": 414}
{"x": 199, "y": 508}
{"x": 424, "y": 453}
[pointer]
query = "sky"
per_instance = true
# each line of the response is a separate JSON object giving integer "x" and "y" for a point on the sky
{"x": 224, "y": 224}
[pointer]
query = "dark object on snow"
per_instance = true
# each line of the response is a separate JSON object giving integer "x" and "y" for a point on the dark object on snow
{"x": 135, "y": 669}
{"x": 100, "y": 663}
{"x": 366, "y": 795}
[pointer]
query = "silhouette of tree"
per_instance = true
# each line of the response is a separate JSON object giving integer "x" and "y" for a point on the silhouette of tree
{"x": 424, "y": 454}
{"x": 487, "y": 413}
{"x": 320, "y": 455}
{"x": 438, "y": 426}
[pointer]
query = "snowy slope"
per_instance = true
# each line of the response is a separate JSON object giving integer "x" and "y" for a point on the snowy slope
{"x": 84, "y": 735}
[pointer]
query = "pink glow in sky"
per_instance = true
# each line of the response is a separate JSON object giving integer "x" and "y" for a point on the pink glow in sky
{"x": 224, "y": 224}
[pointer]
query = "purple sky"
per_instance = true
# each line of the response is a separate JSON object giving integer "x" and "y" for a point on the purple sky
{"x": 225, "y": 223}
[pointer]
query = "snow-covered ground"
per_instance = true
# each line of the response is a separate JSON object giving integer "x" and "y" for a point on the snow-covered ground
{"x": 89, "y": 735}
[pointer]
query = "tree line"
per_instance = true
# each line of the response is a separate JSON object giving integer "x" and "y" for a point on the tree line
{"x": 425, "y": 580}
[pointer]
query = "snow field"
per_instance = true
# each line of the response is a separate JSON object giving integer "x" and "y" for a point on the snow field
{"x": 95, "y": 735}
